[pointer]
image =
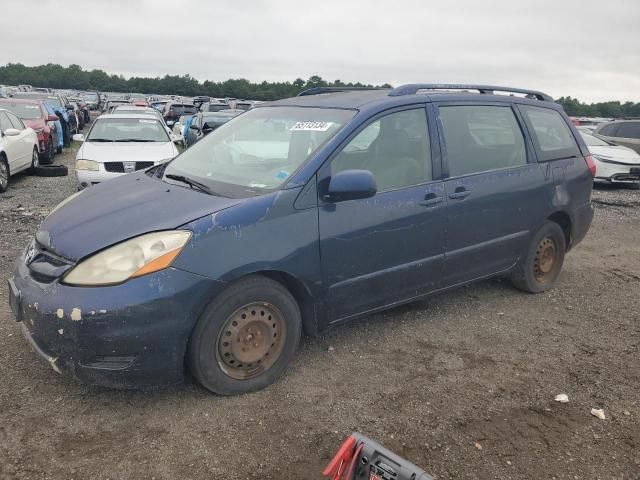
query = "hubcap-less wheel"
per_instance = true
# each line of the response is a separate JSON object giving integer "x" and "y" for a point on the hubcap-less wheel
{"x": 4, "y": 175}
{"x": 545, "y": 258}
{"x": 251, "y": 340}
{"x": 35, "y": 160}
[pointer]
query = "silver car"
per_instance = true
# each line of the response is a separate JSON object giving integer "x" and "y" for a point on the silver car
{"x": 621, "y": 132}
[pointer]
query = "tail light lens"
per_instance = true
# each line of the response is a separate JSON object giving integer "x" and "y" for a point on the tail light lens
{"x": 591, "y": 165}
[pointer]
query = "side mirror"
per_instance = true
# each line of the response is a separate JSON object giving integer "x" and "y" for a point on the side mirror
{"x": 351, "y": 185}
{"x": 12, "y": 132}
{"x": 78, "y": 137}
{"x": 52, "y": 118}
{"x": 175, "y": 138}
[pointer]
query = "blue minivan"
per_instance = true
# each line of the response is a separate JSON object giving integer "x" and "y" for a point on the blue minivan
{"x": 295, "y": 217}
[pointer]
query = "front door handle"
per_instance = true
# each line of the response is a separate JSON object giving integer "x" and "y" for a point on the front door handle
{"x": 460, "y": 193}
{"x": 431, "y": 200}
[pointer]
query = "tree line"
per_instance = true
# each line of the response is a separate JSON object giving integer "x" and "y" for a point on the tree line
{"x": 75, "y": 78}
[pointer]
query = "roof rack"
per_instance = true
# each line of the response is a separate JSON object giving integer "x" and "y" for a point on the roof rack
{"x": 413, "y": 88}
{"x": 319, "y": 90}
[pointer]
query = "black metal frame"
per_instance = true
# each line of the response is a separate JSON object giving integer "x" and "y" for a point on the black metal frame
{"x": 413, "y": 88}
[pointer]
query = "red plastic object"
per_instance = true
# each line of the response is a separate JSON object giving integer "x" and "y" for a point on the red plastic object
{"x": 342, "y": 458}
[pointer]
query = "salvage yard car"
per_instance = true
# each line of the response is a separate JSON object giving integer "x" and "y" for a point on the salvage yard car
{"x": 18, "y": 147}
{"x": 35, "y": 115}
{"x": 297, "y": 216}
{"x": 119, "y": 144}
{"x": 614, "y": 163}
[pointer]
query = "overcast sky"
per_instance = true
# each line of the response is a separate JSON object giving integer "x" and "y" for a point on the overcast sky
{"x": 584, "y": 48}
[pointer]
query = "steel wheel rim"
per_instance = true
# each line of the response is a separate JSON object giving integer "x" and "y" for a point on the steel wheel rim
{"x": 545, "y": 260}
{"x": 35, "y": 160}
{"x": 251, "y": 340}
{"x": 4, "y": 175}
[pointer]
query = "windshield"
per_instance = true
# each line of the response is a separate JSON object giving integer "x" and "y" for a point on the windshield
{"x": 23, "y": 110}
{"x": 127, "y": 130}
{"x": 259, "y": 149}
{"x": 592, "y": 141}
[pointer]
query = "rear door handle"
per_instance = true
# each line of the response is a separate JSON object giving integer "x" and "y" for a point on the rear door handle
{"x": 460, "y": 194}
{"x": 431, "y": 200}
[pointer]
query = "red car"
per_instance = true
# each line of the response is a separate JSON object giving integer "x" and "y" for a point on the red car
{"x": 34, "y": 114}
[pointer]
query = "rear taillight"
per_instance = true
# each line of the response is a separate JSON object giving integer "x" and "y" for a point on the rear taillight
{"x": 590, "y": 164}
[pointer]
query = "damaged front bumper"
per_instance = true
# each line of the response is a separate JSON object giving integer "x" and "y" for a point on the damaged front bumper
{"x": 123, "y": 336}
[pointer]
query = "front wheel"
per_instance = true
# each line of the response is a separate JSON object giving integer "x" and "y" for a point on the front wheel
{"x": 541, "y": 266}
{"x": 4, "y": 174}
{"x": 246, "y": 337}
{"x": 35, "y": 161}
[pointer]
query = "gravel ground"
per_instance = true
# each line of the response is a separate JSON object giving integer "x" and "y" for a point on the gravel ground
{"x": 461, "y": 384}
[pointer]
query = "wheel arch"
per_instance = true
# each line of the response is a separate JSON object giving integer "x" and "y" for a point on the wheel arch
{"x": 563, "y": 220}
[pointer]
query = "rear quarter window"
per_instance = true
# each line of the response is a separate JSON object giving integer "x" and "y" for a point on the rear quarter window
{"x": 628, "y": 130}
{"x": 550, "y": 133}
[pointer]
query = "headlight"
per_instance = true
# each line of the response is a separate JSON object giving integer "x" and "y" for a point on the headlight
{"x": 135, "y": 257}
{"x": 65, "y": 201}
{"x": 87, "y": 165}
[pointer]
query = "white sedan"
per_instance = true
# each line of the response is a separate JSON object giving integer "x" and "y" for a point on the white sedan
{"x": 614, "y": 163}
{"x": 18, "y": 147}
{"x": 120, "y": 144}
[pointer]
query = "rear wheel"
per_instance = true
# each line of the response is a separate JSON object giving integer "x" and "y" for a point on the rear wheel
{"x": 541, "y": 266}
{"x": 47, "y": 157}
{"x": 246, "y": 337}
{"x": 4, "y": 174}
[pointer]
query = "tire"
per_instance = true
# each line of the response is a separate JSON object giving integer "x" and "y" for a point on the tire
{"x": 541, "y": 266}
{"x": 255, "y": 308}
{"x": 51, "y": 171}
{"x": 5, "y": 174}
{"x": 35, "y": 161}
{"x": 47, "y": 157}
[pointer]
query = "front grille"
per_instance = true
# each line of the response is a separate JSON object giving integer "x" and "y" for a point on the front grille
{"x": 118, "y": 167}
{"x": 44, "y": 265}
{"x": 141, "y": 165}
{"x": 114, "y": 167}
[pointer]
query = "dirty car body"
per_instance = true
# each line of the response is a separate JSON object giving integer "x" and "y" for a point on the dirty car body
{"x": 341, "y": 237}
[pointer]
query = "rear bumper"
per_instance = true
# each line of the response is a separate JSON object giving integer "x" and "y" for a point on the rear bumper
{"x": 123, "y": 336}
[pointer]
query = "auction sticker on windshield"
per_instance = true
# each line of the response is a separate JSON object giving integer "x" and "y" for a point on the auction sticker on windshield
{"x": 311, "y": 126}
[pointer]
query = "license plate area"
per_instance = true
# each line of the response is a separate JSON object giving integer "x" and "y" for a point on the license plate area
{"x": 15, "y": 300}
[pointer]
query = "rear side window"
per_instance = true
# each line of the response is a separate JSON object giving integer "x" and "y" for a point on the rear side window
{"x": 551, "y": 134}
{"x": 479, "y": 138}
{"x": 608, "y": 130}
{"x": 629, "y": 130}
{"x": 15, "y": 121}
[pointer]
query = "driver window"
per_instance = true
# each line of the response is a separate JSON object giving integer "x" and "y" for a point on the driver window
{"x": 394, "y": 148}
{"x": 481, "y": 138}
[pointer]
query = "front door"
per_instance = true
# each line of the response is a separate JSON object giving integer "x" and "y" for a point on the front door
{"x": 390, "y": 247}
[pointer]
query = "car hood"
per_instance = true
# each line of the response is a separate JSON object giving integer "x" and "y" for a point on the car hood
{"x": 617, "y": 153}
{"x": 122, "y": 208}
{"x": 36, "y": 123}
{"x": 127, "y": 151}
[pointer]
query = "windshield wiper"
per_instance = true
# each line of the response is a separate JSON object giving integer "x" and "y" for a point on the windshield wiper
{"x": 98, "y": 140}
{"x": 192, "y": 183}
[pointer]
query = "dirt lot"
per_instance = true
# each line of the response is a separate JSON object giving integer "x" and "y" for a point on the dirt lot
{"x": 461, "y": 384}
